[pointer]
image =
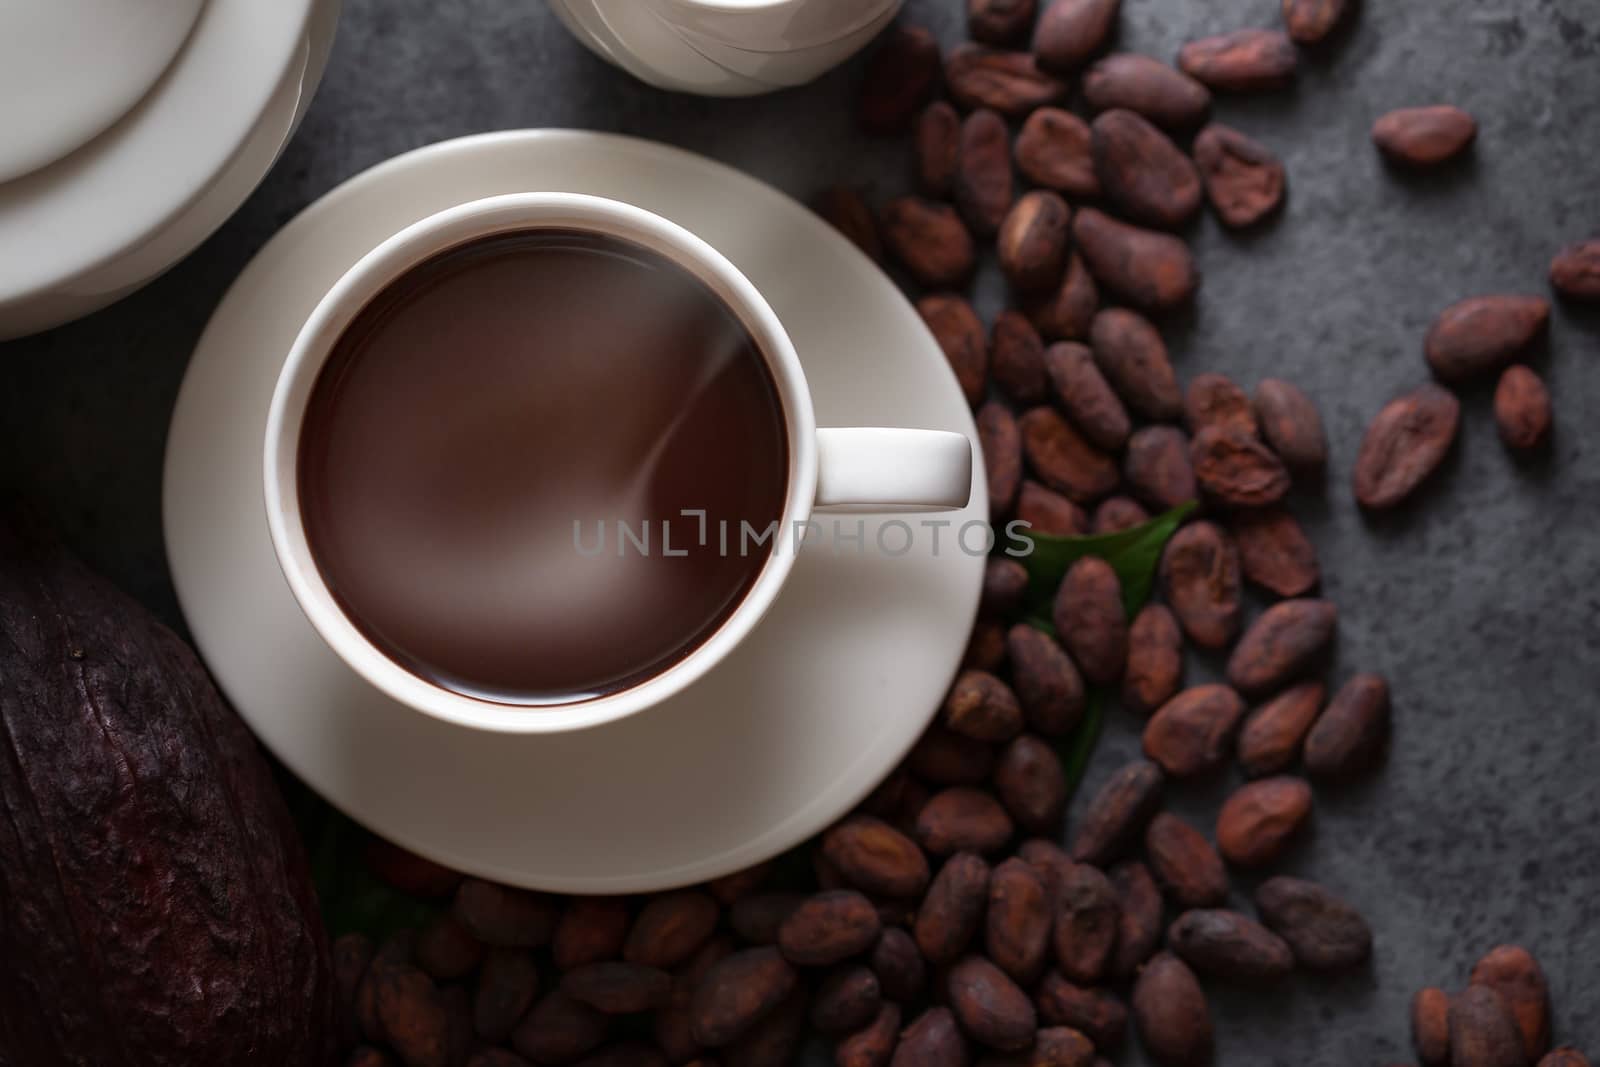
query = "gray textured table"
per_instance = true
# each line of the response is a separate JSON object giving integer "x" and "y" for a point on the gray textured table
{"x": 1480, "y": 602}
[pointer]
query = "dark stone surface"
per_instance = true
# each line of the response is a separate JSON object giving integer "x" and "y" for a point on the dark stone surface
{"x": 1479, "y": 602}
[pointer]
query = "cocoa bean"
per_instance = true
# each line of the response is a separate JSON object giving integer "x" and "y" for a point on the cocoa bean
{"x": 1063, "y": 459}
{"x": 1055, "y": 1046}
{"x": 1048, "y": 512}
{"x": 875, "y": 857}
{"x": 624, "y": 1054}
{"x": 1032, "y": 245}
{"x": 1424, "y": 136}
{"x": 1170, "y": 1011}
{"x": 828, "y": 928}
{"x": 1217, "y": 400}
{"x": 1281, "y": 644}
{"x": 1404, "y": 445}
{"x": 1155, "y": 660}
{"x": 1070, "y": 32}
{"x": 1000, "y": 440}
{"x": 1086, "y": 920}
{"x": 1430, "y": 1026}
{"x": 989, "y": 1006}
{"x": 846, "y": 1000}
{"x": 591, "y": 929}
{"x": 1512, "y": 972}
{"x": 494, "y": 1057}
{"x": 1052, "y": 150}
{"x": 930, "y": 241}
{"x": 986, "y": 648}
{"x": 1031, "y": 784}
{"x": 1138, "y": 918}
{"x": 1048, "y": 685}
{"x": 1311, "y": 21}
{"x": 1066, "y": 313}
{"x": 1226, "y": 945}
{"x": 1130, "y": 352}
{"x": 848, "y": 212}
{"x": 559, "y": 1029}
{"x": 1095, "y": 1013}
{"x": 1275, "y": 552}
{"x": 1090, "y": 620}
{"x": 944, "y": 758}
{"x": 932, "y": 1040}
{"x": 1018, "y": 921}
{"x": 1157, "y": 467}
{"x": 1005, "y": 581}
{"x": 1575, "y": 271}
{"x": 873, "y": 1044}
{"x": 507, "y": 985}
{"x": 618, "y": 988}
{"x": 1350, "y": 735}
{"x": 1237, "y": 469}
{"x": 1243, "y": 179}
{"x": 1184, "y": 863}
{"x": 446, "y": 950}
{"x": 984, "y": 188}
{"x": 1480, "y": 335}
{"x": 352, "y": 954}
{"x": 513, "y": 918}
{"x": 1258, "y": 820}
{"x": 962, "y": 819}
{"x": 1051, "y": 862}
{"x": 737, "y": 992}
{"x": 953, "y": 909}
{"x": 1483, "y": 1032}
{"x": 982, "y": 707}
{"x": 1324, "y": 932}
{"x": 1085, "y": 395}
{"x": 1007, "y": 82}
{"x": 1118, "y": 513}
{"x": 1565, "y": 1056}
{"x": 1142, "y": 171}
{"x": 1200, "y": 581}
{"x": 999, "y": 21}
{"x": 959, "y": 332}
{"x": 1522, "y": 409}
{"x": 900, "y": 76}
{"x": 1193, "y": 733}
{"x": 366, "y": 1056}
{"x": 394, "y": 951}
{"x": 412, "y": 1014}
{"x": 1161, "y": 93}
{"x": 409, "y": 872}
{"x": 897, "y": 962}
{"x": 670, "y": 928}
{"x": 937, "y": 148}
{"x": 1016, "y": 357}
{"x": 1291, "y": 425}
{"x": 672, "y": 1025}
{"x": 1272, "y": 735}
{"x": 1243, "y": 61}
{"x": 1117, "y": 812}
{"x": 1150, "y": 269}
{"x": 756, "y": 918}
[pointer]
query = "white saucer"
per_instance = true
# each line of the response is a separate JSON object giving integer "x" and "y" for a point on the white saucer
{"x": 776, "y": 743}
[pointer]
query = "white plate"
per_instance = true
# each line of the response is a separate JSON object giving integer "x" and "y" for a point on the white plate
{"x": 776, "y": 743}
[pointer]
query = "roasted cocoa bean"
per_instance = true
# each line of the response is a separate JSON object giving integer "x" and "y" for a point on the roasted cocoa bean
{"x": 1066, "y": 313}
{"x": 1048, "y": 512}
{"x": 1311, "y": 21}
{"x": 1133, "y": 357}
{"x": 982, "y": 707}
{"x": 1118, "y": 513}
{"x": 1086, "y": 921}
{"x": 1095, "y": 1013}
{"x": 900, "y": 76}
{"x": 1085, "y": 395}
{"x": 1522, "y": 408}
{"x": 1258, "y": 820}
{"x": 1032, "y": 248}
{"x": 1048, "y": 685}
{"x": 1243, "y": 179}
{"x": 1193, "y": 732}
{"x": 846, "y": 1000}
{"x": 1404, "y": 445}
{"x": 961, "y": 819}
{"x": 1184, "y": 863}
{"x": 624, "y": 1054}
{"x": 1031, "y": 784}
{"x": 1158, "y": 469}
{"x": 1273, "y": 734}
{"x": 932, "y": 1040}
{"x": 1000, "y": 440}
{"x": 446, "y": 950}
{"x": 591, "y": 929}
{"x": 1138, "y": 918}
{"x": 1063, "y": 459}
{"x": 959, "y": 332}
{"x": 756, "y": 918}
{"x": 407, "y": 871}
{"x": 1090, "y": 620}
{"x": 1226, "y": 945}
{"x": 1275, "y": 552}
{"x": 1007, "y": 82}
{"x": 897, "y": 962}
{"x": 984, "y": 188}
{"x": 1051, "y": 862}
{"x": 847, "y": 211}
{"x": 1565, "y": 1056}
{"x": 875, "y": 857}
{"x": 1070, "y": 32}
{"x": 1424, "y": 136}
{"x": 1575, "y": 271}
{"x": 930, "y": 241}
{"x": 1018, "y": 921}
{"x": 989, "y": 1006}
{"x": 829, "y": 928}
{"x": 1152, "y": 270}
{"x": 498, "y": 915}
{"x": 670, "y": 928}
{"x": 1480, "y": 335}
{"x": 1016, "y": 356}
{"x": 559, "y": 1030}
{"x": 366, "y": 1056}
{"x": 1005, "y": 581}
{"x": 493, "y": 1057}
{"x": 1117, "y": 813}
{"x": 1052, "y": 150}
{"x": 999, "y": 21}
{"x": 937, "y": 149}
{"x": 412, "y": 1015}
{"x": 873, "y": 1044}
{"x": 1512, "y": 972}
{"x": 736, "y": 992}
{"x": 618, "y": 988}
{"x": 1155, "y": 660}
{"x": 986, "y": 649}
{"x": 1281, "y": 644}
{"x": 1200, "y": 581}
{"x": 1161, "y": 93}
{"x": 507, "y": 984}
{"x": 1170, "y": 1011}
{"x": 944, "y": 758}
{"x": 394, "y": 951}
{"x": 775, "y": 1038}
{"x": 1350, "y": 735}
{"x": 1291, "y": 425}
{"x": 1324, "y": 932}
{"x": 1244, "y": 61}
{"x": 1142, "y": 171}
{"x": 1055, "y": 1046}
{"x": 1430, "y": 1026}
{"x": 952, "y": 911}
{"x": 1217, "y": 400}
{"x": 1237, "y": 469}
{"x": 1483, "y": 1032}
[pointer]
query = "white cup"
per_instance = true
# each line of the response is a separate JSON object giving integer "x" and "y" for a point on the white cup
{"x": 856, "y": 469}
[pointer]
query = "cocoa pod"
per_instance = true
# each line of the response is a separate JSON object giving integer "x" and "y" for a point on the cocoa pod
{"x": 736, "y": 992}
{"x": 1155, "y": 660}
{"x": 1217, "y": 400}
{"x": 512, "y": 918}
{"x": 1243, "y": 61}
{"x": 984, "y": 187}
{"x": 1161, "y": 93}
{"x": 1157, "y": 467}
{"x": 559, "y": 1029}
{"x": 1133, "y": 357}
{"x": 847, "y": 211}
{"x": 1006, "y": 82}
{"x": 1273, "y": 734}
{"x": 1052, "y": 150}
{"x": 962, "y": 819}
{"x": 1000, "y": 440}
{"x": 408, "y": 872}
{"x": 982, "y": 707}
{"x": 932, "y": 1040}
{"x": 1048, "y": 685}
{"x": 1200, "y": 581}
{"x": 1117, "y": 812}
{"x": 1150, "y": 269}
{"x": 1138, "y": 917}
{"x": 1193, "y": 732}
{"x": 1350, "y": 735}
{"x": 1258, "y": 820}
{"x": 828, "y": 928}
{"x": 873, "y": 1044}
{"x": 989, "y": 1006}
{"x": 1051, "y": 862}
{"x": 1424, "y": 136}
{"x": 1281, "y": 644}
{"x": 999, "y": 21}
{"x": 897, "y": 962}
{"x": 1184, "y": 863}
{"x": 1118, "y": 513}
{"x": 1032, "y": 248}
{"x": 1243, "y": 179}
{"x": 1085, "y": 395}
{"x": 1070, "y": 32}
{"x": 1512, "y": 972}
{"x": 1048, "y": 512}
{"x": 1430, "y": 1026}
{"x": 756, "y": 918}
{"x": 951, "y": 913}
{"x": 1291, "y": 425}
{"x": 618, "y": 988}
{"x": 1066, "y": 313}
{"x": 1063, "y": 459}
{"x": 591, "y": 929}
{"x": 1522, "y": 409}
{"x": 1226, "y": 945}
{"x": 1095, "y": 1013}
{"x": 1405, "y": 443}
{"x": 1170, "y": 1011}
{"x": 1142, "y": 171}
{"x": 1481, "y": 334}
{"x": 412, "y": 1015}
{"x": 1483, "y": 1032}
{"x": 1016, "y": 356}
{"x": 351, "y": 954}
{"x": 900, "y": 77}
{"x": 875, "y": 857}
{"x": 943, "y": 758}
{"x": 1275, "y": 552}
{"x": 507, "y": 985}
{"x": 959, "y": 332}
{"x": 1565, "y": 1056}
{"x": 1005, "y": 581}
{"x": 445, "y": 950}
{"x": 1311, "y": 21}
{"x": 1237, "y": 469}
{"x": 937, "y": 148}
{"x": 986, "y": 650}
{"x": 670, "y": 928}
{"x": 1575, "y": 271}
{"x": 1018, "y": 921}
{"x": 1086, "y": 920}
{"x": 1031, "y": 784}
{"x": 1324, "y": 932}
{"x": 846, "y": 1000}
{"x": 1090, "y": 620}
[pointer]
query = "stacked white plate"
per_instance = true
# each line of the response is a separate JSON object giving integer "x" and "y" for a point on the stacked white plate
{"x": 726, "y": 47}
{"x": 130, "y": 132}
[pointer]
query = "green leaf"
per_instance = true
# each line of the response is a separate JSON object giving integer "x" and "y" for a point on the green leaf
{"x": 1133, "y": 553}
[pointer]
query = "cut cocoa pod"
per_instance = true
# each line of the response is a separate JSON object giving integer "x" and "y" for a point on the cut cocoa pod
{"x": 937, "y": 147}
{"x": 1063, "y": 459}
{"x": 1155, "y": 660}
{"x": 1522, "y": 409}
{"x": 900, "y": 77}
{"x": 930, "y": 241}
{"x": 1143, "y": 84}
{"x": 1071, "y": 32}
{"x": 828, "y": 928}
{"x": 1244, "y": 181}
{"x": 1133, "y": 357}
{"x": 941, "y": 758}
{"x": 1275, "y": 552}
{"x": 1312, "y": 21}
{"x": 875, "y": 857}
{"x": 1032, "y": 247}
{"x": 982, "y": 707}
{"x": 1007, "y": 82}
{"x": 1052, "y": 150}
{"x": 1483, "y": 1032}
{"x": 897, "y": 962}
{"x": 1324, "y": 932}
{"x": 1404, "y": 445}
{"x": 952, "y": 912}
{"x": 1430, "y": 1026}
{"x": 1237, "y": 470}
{"x": 1000, "y": 21}
{"x": 1230, "y": 946}
{"x": 1291, "y": 425}
{"x": 1575, "y": 271}
{"x": 1283, "y": 642}
{"x": 1142, "y": 172}
{"x": 959, "y": 332}
{"x": 1170, "y": 1011}
{"x": 1031, "y": 785}
{"x": 1086, "y": 921}
{"x": 1482, "y": 334}
{"x": 1514, "y": 973}
{"x": 932, "y": 1040}
{"x": 984, "y": 187}
{"x": 1217, "y": 400}
{"x": 1016, "y": 358}
{"x": 1351, "y": 734}
{"x": 1158, "y": 468}
{"x": 847, "y": 211}
{"x": 1193, "y": 733}
{"x": 1049, "y": 512}
{"x": 1047, "y": 682}
{"x": 1258, "y": 820}
{"x": 1090, "y": 620}
{"x": 1018, "y": 920}
{"x": 1118, "y": 513}
{"x": 1274, "y": 733}
{"x": 1200, "y": 581}
{"x": 989, "y": 1006}
{"x": 1000, "y": 441}
{"x": 671, "y": 927}
{"x": 1065, "y": 313}
{"x": 1152, "y": 270}
{"x": 1244, "y": 61}
{"x": 1424, "y": 136}
{"x": 1117, "y": 814}
{"x": 737, "y": 992}
{"x": 1095, "y": 1013}
{"x": 1085, "y": 395}
{"x": 873, "y": 1044}
{"x": 962, "y": 819}
{"x": 591, "y": 929}
{"x": 1186, "y": 865}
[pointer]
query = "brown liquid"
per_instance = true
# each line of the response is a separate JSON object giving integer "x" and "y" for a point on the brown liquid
{"x": 496, "y": 394}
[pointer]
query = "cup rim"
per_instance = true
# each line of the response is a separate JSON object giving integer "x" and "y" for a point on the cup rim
{"x": 385, "y": 264}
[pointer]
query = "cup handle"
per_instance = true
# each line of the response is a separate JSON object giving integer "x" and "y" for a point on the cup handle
{"x": 884, "y": 469}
